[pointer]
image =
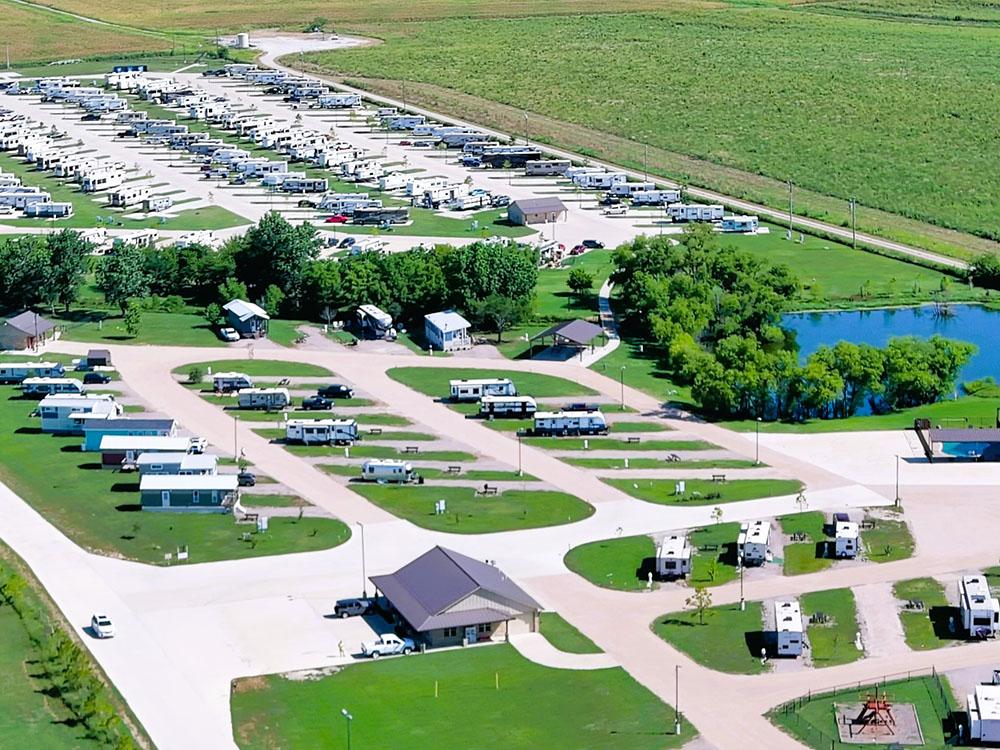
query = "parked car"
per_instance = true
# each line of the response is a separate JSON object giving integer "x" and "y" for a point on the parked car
{"x": 347, "y": 242}
{"x": 316, "y": 403}
{"x": 351, "y": 607}
{"x": 610, "y": 200}
{"x": 593, "y": 244}
{"x": 96, "y": 378}
{"x": 406, "y": 143}
{"x": 197, "y": 445}
{"x": 616, "y": 210}
{"x": 306, "y": 203}
{"x": 335, "y": 390}
{"x": 246, "y": 479}
{"x": 91, "y": 117}
{"x": 337, "y": 219}
{"x": 229, "y": 334}
{"x": 238, "y": 180}
{"x": 582, "y": 406}
{"x": 389, "y": 643}
{"x": 471, "y": 161}
{"x": 424, "y": 144}
{"x": 500, "y": 201}
{"x": 102, "y": 627}
{"x": 578, "y": 250}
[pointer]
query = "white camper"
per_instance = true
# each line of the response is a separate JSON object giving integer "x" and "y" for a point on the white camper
{"x": 475, "y": 389}
{"x": 264, "y": 398}
{"x": 507, "y": 406}
{"x": 694, "y": 212}
{"x": 673, "y": 556}
{"x": 570, "y": 423}
{"x": 387, "y": 470}
{"x": 50, "y": 386}
{"x": 656, "y": 197}
{"x": 226, "y": 382}
{"x": 751, "y": 544}
{"x": 788, "y": 628}
{"x": 15, "y": 372}
{"x": 321, "y": 431}
{"x": 979, "y": 608}
{"x": 845, "y": 539}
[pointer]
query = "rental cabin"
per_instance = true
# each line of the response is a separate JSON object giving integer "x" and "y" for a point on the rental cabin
{"x": 121, "y": 451}
{"x": 250, "y": 321}
{"x": 94, "y": 431}
{"x": 199, "y": 493}
{"x": 177, "y": 463}
{"x": 447, "y": 331}
{"x": 68, "y": 412}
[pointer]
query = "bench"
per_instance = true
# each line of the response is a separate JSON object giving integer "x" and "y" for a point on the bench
{"x": 708, "y": 547}
{"x": 374, "y": 430}
{"x": 634, "y": 439}
{"x": 718, "y": 477}
{"x": 454, "y": 470}
{"x": 487, "y": 490}
{"x": 411, "y": 449}
{"x": 250, "y": 518}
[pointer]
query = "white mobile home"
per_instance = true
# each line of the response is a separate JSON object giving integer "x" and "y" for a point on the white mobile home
{"x": 225, "y": 382}
{"x": 475, "y": 389}
{"x": 740, "y": 224}
{"x": 845, "y": 539}
{"x": 66, "y": 413}
{"x": 447, "y": 331}
{"x": 39, "y": 387}
{"x": 979, "y": 608}
{"x": 570, "y": 423}
{"x": 21, "y": 197}
{"x": 387, "y": 470}
{"x": 15, "y": 372}
{"x": 694, "y": 212}
{"x": 788, "y": 628}
{"x": 673, "y": 556}
{"x": 321, "y": 431}
{"x": 656, "y": 197}
{"x": 177, "y": 463}
{"x": 264, "y": 398}
{"x": 546, "y": 167}
{"x": 751, "y": 544}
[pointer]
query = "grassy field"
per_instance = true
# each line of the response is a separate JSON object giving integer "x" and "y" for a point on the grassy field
{"x": 704, "y": 491}
{"x": 466, "y": 513}
{"x": 433, "y": 381}
{"x": 259, "y": 500}
{"x": 927, "y": 628}
{"x": 656, "y": 463}
{"x": 393, "y": 703}
{"x": 99, "y": 509}
{"x": 158, "y": 328}
{"x": 564, "y": 636}
{"x": 643, "y": 371}
{"x": 613, "y": 444}
{"x": 714, "y": 562}
{"x": 831, "y": 642}
{"x": 807, "y": 556}
{"x": 620, "y": 563}
{"x": 728, "y": 641}
{"x": 829, "y": 120}
{"x": 257, "y": 367}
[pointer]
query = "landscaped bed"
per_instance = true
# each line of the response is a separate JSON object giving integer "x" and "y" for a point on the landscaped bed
{"x": 703, "y": 491}
{"x": 484, "y": 697}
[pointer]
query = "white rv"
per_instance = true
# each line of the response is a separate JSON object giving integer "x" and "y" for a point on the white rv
{"x": 743, "y": 224}
{"x": 225, "y": 382}
{"x": 392, "y": 181}
{"x": 15, "y": 372}
{"x": 128, "y": 195}
{"x": 404, "y": 122}
{"x": 475, "y": 389}
{"x": 570, "y": 423}
{"x": 264, "y": 398}
{"x": 845, "y": 539}
{"x": 102, "y": 179}
{"x": 984, "y": 712}
{"x": 694, "y": 212}
{"x": 673, "y": 556}
{"x": 628, "y": 189}
{"x": 507, "y": 406}
{"x": 751, "y": 544}
{"x": 48, "y": 210}
{"x": 305, "y": 185}
{"x": 600, "y": 180}
{"x": 50, "y": 386}
{"x": 337, "y": 101}
{"x": 387, "y": 470}
{"x": 788, "y": 628}
{"x": 321, "y": 431}
{"x": 979, "y": 608}
{"x": 656, "y": 197}
{"x": 546, "y": 167}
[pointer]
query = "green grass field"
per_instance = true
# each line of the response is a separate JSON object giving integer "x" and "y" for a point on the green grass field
{"x": 728, "y": 641}
{"x": 812, "y": 722}
{"x": 714, "y": 562}
{"x": 564, "y": 636}
{"x": 927, "y": 628}
{"x": 259, "y": 500}
{"x": 433, "y": 381}
{"x": 618, "y": 563}
{"x": 614, "y": 444}
{"x": 643, "y": 371}
{"x": 890, "y": 540}
{"x": 806, "y": 556}
{"x": 704, "y": 491}
{"x": 256, "y": 367}
{"x": 832, "y": 642}
{"x": 394, "y": 705}
{"x": 656, "y": 463}
{"x": 99, "y": 509}
{"x": 158, "y": 328}
{"x": 467, "y": 513}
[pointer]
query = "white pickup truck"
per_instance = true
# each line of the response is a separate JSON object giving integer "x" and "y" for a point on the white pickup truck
{"x": 389, "y": 643}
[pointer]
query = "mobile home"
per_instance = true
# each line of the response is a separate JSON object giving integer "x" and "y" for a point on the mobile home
{"x": 694, "y": 212}
{"x": 787, "y": 628}
{"x": 16, "y": 372}
{"x": 387, "y": 470}
{"x": 66, "y": 413}
{"x": 121, "y": 451}
{"x": 673, "y": 556}
{"x": 321, "y": 431}
{"x": 570, "y": 423}
{"x": 264, "y": 398}
{"x": 177, "y": 463}
{"x": 476, "y": 389}
{"x": 507, "y": 406}
{"x": 40, "y": 387}
{"x": 203, "y": 493}
{"x": 225, "y": 382}
{"x": 94, "y": 431}
{"x": 751, "y": 544}
{"x": 48, "y": 210}
{"x": 980, "y": 610}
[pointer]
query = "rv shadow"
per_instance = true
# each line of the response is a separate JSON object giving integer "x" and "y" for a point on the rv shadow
{"x": 757, "y": 640}
{"x": 647, "y": 566}
{"x": 940, "y": 618}
{"x": 28, "y": 431}
{"x": 129, "y": 508}
{"x": 89, "y": 466}
{"x": 71, "y": 449}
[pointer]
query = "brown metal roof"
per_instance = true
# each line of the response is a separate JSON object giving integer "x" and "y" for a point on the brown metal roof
{"x": 539, "y": 205}
{"x": 580, "y": 332}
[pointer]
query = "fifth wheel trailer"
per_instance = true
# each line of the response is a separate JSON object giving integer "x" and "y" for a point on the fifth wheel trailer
{"x": 321, "y": 431}
{"x": 570, "y": 423}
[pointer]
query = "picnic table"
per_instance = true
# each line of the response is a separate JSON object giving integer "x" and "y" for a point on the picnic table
{"x": 454, "y": 470}
{"x": 374, "y": 430}
{"x": 411, "y": 449}
{"x": 718, "y": 477}
{"x": 487, "y": 490}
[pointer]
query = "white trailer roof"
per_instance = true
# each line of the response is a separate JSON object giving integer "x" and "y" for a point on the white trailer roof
{"x": 787, "y": 617}
{"x": 479, "y": 381}
{"x": 987, "y": 700}
{"x": 188, "y": 461}
{"x": 75, "y": 399}
{"x": 162, "y": 443}
{"x": 321, "y": 422}
{"x": 567, "y": 414}
{"x": 756, "y": 532}
{"x": 387, "y": 462}
{"x": 846, "y": 530}
{"x": 675, "y": 546}
{"x": 158, "y": 482}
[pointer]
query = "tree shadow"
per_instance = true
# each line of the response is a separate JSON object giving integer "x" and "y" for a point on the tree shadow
{"x": 678, "y": 622}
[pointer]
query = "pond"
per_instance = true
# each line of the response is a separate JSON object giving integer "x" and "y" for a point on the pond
{"x": 973, "y": 323}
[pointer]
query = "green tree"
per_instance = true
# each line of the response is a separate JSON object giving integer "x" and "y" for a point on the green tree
{"x": 122, "y": 275}
{"x": 231, "y": 289}
{"x": 700, "y": 602}
{"x": 474, "y": 272}
{"x": 213, "y": 314}
{"x": 24, "y": 272}
{"x": 275, "y": 252}
{"x": 273, "y": 297}
{"x": 68, "y": 253}
{"x": 133, "y": 318}
{"x": 499, "y": 313}
{"x": 985, "y": 271}
{"x": 580, "y": 281}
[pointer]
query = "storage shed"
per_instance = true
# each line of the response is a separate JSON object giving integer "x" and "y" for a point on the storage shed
{"x": 536, "y": 211}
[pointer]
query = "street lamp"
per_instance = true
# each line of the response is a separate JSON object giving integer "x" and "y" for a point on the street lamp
{"x": 743, "y": 603}
{"x": 349, "y": 718}
{"x": 897, "y": 480}
{"x": 519, "y": 469}
{"x": 364, "y": 575}
{"x": 622, "y": 379}
{"x": 677, "y": 699}
{"x": 525, "y": 128}
{"x": 756, "y": 425}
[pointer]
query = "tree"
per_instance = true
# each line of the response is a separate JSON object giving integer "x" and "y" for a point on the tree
{"x": 133, "y": 318}
{"x": 985, "y": 271}
{"x": 275, "y": 252}
{"x": 213, "y": 314}
{"x": 24, "y": 271}
{"x": 122, "y": 275}
{"x": 231, "y": 289}
{"x": 580, "y": 281}
{"x": 701, "y": 602}
{"x": 273, "y": 297}
{"x": 474, "y": 272}
{"x": 68, "y": 253}
{"x": 498, "y": 313}
{"x": 717, "y": 514}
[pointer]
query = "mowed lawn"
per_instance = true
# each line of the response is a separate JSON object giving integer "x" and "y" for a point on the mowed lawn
{"x": 394, "y": 706}
{"x": 621, "y": 563}
{"x": 468, "y": 513}
{"x": 927, "y": 628}
{"x": 564, "y": 636}
{"x": 831, "y": 642}
{"x": 704, "y": 491}
{"x": 614, "y": 444}
{"x": 256, "y": 367}
{"x": 98, "y": 509}
{"x": 158, "y": 328}
{"x": 808, "y": 555}
{"x": 729, "y": 640}
{"x": 433, "y": 381}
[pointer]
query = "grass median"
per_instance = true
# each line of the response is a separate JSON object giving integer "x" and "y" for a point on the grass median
{"x": 433, "y": 381}
{"x": 703, "y": 491}
{"x": 619, "y": 563}
{"x": 256, "y": 367}
{"x": 564, "y": 636}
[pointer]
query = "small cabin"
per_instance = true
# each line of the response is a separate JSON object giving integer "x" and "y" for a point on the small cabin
{"x": 198, "y": 493}
{"x": 249, "y": 320}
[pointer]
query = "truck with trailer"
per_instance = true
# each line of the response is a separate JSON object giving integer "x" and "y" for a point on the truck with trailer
{"x": 321, "y": 431}
{"x": 599, "y": 180}
{"x": 562, "y": 423}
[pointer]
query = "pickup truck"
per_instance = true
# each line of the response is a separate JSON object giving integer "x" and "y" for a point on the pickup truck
{"x": 389, "y": 643}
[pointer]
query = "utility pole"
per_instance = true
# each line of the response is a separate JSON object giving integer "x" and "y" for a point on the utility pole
{"x": 645, "y": 161}
{"x": 897, "y": 480}
{"x": 364, "y": 572}
{"x": 7, "y": 46}
{"x": 622, "y": 378}
{"x": 756, "y": 425}
{"x": 854, "y": 222}
{"x": 525, "y": 128}
{"x": 677, "y": 699}
{"x": 791, "y": 187}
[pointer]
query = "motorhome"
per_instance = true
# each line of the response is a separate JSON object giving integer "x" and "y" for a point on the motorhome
{"x": 694, "y": 212}
{"x": 321, "y": 431}
{"x": 476, "y": 389}
{"x": 673, "y": 556}
{"x": 347, "y": 203}
{"x": 787, "y": 628}
{"x": 387, "y": 470}
{"x": 507, "y": 406}
{"x": 546, "y": 167}
{"x": 656, "y": 197}
{"x": 751, "y": 544}
{"x": 39, "y": 387}
{"x": 305, "y": 185}
{"x": 569, "y": 423}
{"x": 264, "y": 398}
{"x": 16, "y": 372}
{"x": 980, "y": 610}
{"x": 374, "y": 323}
{"x": 508, "y": 159}
{"x": 226, "y": 382}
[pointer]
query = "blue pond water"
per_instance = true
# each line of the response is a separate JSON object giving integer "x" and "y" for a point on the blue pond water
{"x": 971, "y": 323}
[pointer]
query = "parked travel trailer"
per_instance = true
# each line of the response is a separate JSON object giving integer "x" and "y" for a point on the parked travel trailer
{"x": 983, "y": 707}
{"x": 15, "y": 372}
{"x": 656, "y": 197}
{"x": 673, "y": 556}
{"x": 788, "y": 628}
{"x": 570, "y": 423}
{"x": 417, "y": 186}
{"x": 599, "y": 180}
{"x": 347, "y": 203}
{"x": 694, "y": 212}
{"x": 404, "y": 122}
{"x": 338, "y": 101}
{"x": 387, "y": 470}
{"x": 845, "y": 539}
{"x": 628, "y": 189}
{"x": 155, "y": 205}
{"x": 225, "y": 382}
{"x": 128, "y": 195}
{"x": 39, "y": 387}
{"x": 305, "y": 185}
{"x": 321, "y": 431}
{"x": 740, "y": 223}
{"x": 48, "y": 210}
{"x": 264, "y": 398}
{"x": 980, "y": 610}
{"x": 470, "y": 202}
{"x": 547, "y": 167}
{"x": 512, "y": 159}
{"x": 476, "y": 389}
{"x": 751, "y": 544}
{"x": 507, "y": 406}
{"x": 374, "y": 323}
{"x": 392, "y": 181}
{"x": 381, "y": 215}
{"x": 102, "y": 179}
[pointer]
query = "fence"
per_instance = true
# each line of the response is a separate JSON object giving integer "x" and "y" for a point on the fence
{"x": 787, "y": 715}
